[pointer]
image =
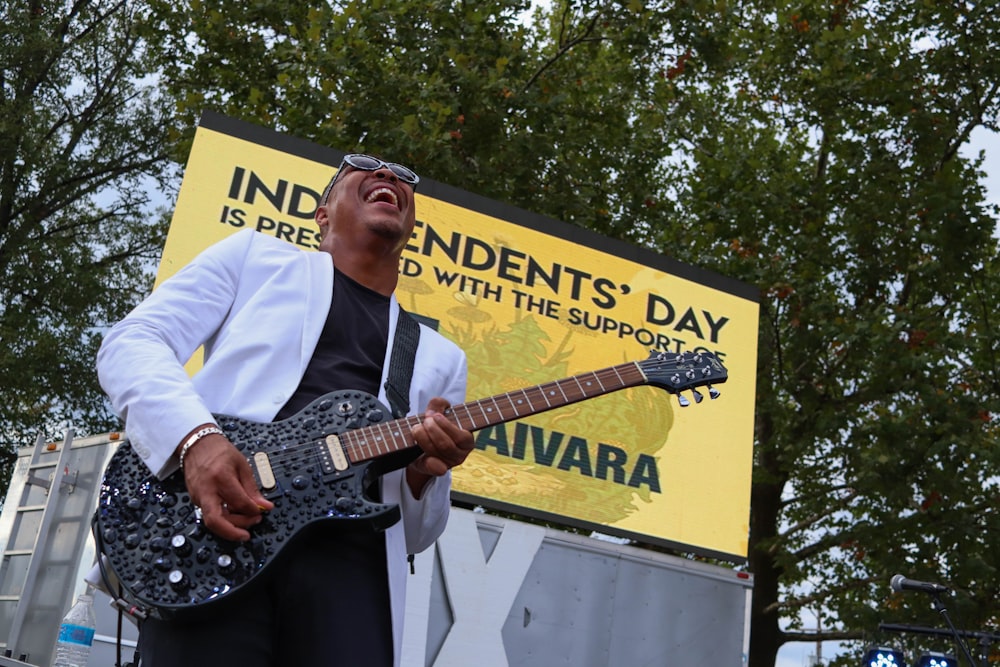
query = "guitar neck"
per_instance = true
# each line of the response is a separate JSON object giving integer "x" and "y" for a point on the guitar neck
{"x": 533, "y": 400}
{"x": 381, "y": 439}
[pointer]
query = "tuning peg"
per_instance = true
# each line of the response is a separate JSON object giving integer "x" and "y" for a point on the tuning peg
{"x": 698, "y": 398}
{"x": 682, "y": 399}
{"x": 713, "y": 392}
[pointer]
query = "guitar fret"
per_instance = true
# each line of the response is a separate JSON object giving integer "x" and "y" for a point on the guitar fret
{"x": 374, "y": 443}
{"x": 532, "y": 401}
{"x": 513, "y": 406}
{"x": 496, "y": 404}
{"x": 366, "y": 444}
{"x": 559, "y": 386}
{"x": 541, "y": 392}
{"x": 471, "y": 421}
{"x": 583, "y": 389}
{"x": 379, "y": 443}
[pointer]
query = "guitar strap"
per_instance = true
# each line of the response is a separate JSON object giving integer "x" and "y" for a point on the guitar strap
{"x": 404, "y": 352}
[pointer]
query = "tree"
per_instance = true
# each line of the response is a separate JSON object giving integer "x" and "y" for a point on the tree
{"x": 811, "y": 149}
{"x": 826, "y": 170}
{"x": 464, "y": 91}
{"x": 83, "y": 157}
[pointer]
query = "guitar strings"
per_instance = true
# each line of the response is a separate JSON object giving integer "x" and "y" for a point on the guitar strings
{"x": 360, "y": 448}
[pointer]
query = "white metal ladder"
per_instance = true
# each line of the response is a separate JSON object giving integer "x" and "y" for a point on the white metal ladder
{"x": 23, "y": 515}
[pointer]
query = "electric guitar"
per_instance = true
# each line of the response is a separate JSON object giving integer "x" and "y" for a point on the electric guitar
{"x": 315, "y": 466}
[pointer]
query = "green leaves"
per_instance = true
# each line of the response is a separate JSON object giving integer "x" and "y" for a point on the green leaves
{"x": 83, "y": 157}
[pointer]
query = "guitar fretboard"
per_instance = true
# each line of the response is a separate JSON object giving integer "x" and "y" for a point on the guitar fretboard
{"x": 374, "y": 441}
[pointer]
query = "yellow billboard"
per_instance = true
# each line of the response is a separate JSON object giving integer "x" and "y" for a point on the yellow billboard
{"x": 532, "y": 300}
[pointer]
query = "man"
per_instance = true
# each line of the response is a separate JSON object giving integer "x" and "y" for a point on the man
{"x": 280, "y": 327}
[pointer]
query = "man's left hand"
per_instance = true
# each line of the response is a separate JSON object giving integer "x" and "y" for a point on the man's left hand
{"x": 444, "y": 444}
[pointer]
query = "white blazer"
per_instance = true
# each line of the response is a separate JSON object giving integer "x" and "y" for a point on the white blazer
{"x": 258, "y": 305}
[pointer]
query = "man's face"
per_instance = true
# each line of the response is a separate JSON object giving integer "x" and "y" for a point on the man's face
{"x": 369, "y": 202}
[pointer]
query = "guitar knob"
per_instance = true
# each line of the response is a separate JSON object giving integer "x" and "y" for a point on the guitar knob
{"x": 177, "y": 579}
{"x": 225, "y": 563}
{"x": 181, "y": 545}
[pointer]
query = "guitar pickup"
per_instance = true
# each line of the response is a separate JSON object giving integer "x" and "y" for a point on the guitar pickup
{"x": 265, "y": 475}
{"x": 331, "y": 455}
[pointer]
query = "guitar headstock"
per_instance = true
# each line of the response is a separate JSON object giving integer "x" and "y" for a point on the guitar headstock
{"x": 677, "y": 372}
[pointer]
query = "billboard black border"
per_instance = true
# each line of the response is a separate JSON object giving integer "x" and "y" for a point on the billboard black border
{"x": 310, "y": 150}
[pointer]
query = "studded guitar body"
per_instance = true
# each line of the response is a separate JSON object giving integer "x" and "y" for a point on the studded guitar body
{"x": 315, "y": 467}
{"x": 165, "y": 558}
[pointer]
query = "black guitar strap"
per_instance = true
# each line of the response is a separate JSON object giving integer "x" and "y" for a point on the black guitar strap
{"x": 397, "y": 385}
{"x": 404, "y": 352}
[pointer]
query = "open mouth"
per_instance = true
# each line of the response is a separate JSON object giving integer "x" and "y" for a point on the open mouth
{"x": 383, "y": 194}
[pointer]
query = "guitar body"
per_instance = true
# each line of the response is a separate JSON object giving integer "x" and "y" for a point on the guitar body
{"x": 168, "y": 562}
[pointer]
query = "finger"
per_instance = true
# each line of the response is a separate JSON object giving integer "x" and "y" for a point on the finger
{"x": 219, "y": 488}
{"x": 439, "y": 446}
{"x": 254, "y": 492}
{"x": 438, "y": 404}
{"x": 430, "y": 436}
{"x": 430, "y": 465}
{"x": 455, "y": 434}
{"x": 240, "y": 494}
{"x": 248, "y": 499}
{"x": 220, "y": 523}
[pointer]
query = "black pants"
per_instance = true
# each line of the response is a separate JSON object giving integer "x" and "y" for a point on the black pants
{"x": 325, "y": 603}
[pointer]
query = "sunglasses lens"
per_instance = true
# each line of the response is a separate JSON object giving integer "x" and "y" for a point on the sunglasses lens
{"x": 404, "y": 174}
{"x": 363, "y": 162}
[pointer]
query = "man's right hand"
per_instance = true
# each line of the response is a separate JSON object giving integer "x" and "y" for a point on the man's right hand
{"x": 221, "y": 483}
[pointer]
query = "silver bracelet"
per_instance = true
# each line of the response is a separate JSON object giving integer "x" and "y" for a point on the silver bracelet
{"x": 193, "y": 440}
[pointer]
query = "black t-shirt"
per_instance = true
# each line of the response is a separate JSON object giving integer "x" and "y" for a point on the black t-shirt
{"x": 350, "y": 350}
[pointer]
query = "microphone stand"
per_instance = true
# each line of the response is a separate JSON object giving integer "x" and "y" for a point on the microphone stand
{"x": 939, "y": 607}
{"x": 985, "y": 638}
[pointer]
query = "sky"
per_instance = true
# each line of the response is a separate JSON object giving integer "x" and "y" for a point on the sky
{"x": 989, "y": 142}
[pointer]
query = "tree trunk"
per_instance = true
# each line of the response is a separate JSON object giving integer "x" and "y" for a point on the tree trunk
{"x": 765, "y": 502}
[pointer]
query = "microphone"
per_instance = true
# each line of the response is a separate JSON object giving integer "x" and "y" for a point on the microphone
{"x": 901, "y": 583}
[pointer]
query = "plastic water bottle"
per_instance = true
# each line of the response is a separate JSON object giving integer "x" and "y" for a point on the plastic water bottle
{"x": 76, "y": 634}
